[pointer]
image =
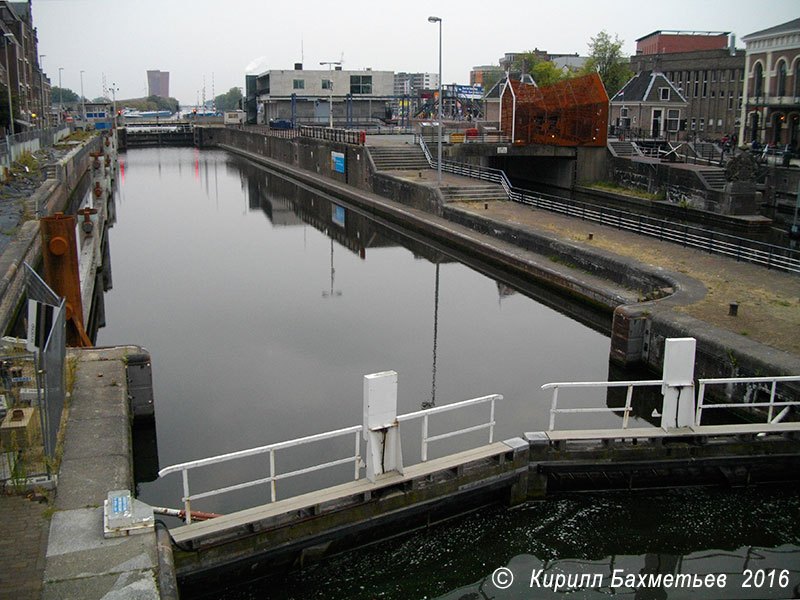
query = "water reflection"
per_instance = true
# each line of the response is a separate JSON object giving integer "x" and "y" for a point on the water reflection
{"x": 247, "y": 350}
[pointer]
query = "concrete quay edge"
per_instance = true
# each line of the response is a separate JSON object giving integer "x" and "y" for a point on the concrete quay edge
{"x": 80, "y": 562}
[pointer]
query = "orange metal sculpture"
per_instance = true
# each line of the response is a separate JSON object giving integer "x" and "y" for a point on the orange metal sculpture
{"x": 573, "y": 112}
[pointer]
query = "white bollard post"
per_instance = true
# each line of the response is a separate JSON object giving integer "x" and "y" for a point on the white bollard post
{"x": 678, "y": 386}
{"x": 381, "y": 430}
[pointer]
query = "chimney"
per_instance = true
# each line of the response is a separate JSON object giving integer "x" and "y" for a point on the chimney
{"x": 732, "y": 45}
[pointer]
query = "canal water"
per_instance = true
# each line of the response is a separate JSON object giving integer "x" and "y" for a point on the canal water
{"x": 263, "y": 305}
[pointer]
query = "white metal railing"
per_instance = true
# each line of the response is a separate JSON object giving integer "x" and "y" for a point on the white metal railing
{"x": 355, "y": 430}
{"x": 554, "y": 410}
{"x": 270, "y": 449}
{"x": 425, "y": 414}
{"x": 770, "y": 405}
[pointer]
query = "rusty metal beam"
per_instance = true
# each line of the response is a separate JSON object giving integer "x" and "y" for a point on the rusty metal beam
{"x": 61, "y": 272}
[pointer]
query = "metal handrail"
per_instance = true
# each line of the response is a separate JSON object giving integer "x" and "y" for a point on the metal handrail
{"x": 426, "y": 413}
{"x": 773, "y": 381}
{"x": 741, "y": 249}
{"x": 270, "y": 449}
{"x": 356, "y": 430}
{"x": 554, "y": 410}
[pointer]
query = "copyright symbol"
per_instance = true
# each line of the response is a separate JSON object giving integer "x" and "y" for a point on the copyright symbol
{"x": 502, "y": 578}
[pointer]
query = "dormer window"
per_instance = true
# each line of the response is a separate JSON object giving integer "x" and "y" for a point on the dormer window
{"x": 664, "y": 94}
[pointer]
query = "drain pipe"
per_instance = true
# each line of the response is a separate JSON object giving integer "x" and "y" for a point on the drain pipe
{"x": 167, "y": 580}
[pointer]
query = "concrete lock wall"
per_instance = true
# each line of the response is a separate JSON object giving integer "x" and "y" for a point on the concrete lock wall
{"x": 305, "y": 153}
{"x": 680, "y": 186}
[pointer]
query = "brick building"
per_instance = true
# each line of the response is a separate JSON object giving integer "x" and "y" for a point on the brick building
{"x": 30, "y": 88}
{"x": 711, "y": 81}
{"x": 771, "y": 108}
{"x": 667, "y": 42}
{"x": 648, "y": 105}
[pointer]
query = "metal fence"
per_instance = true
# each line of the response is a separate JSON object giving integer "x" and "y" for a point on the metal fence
{"x": 355, "y": 458}
{"x": 348, "y": 136}
{"x": 738, "y": 248}
{"x": 13, "y": 146}
{"x": 22, "y": 451}
{"x": 764, "y": 385}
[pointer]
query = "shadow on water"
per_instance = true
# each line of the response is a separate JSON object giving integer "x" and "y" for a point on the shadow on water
{"x": 683, "y": 532}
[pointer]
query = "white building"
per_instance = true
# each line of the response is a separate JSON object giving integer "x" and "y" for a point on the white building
{"x": 304, "y": 96}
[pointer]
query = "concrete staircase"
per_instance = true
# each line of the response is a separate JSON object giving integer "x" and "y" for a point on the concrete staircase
{"x": 714, "y": 178}
{"x": 624, "y": 149}
{"x": 707, "y": 150}
{"x": 398, "y": 158}
{"x": 479, "y": 192}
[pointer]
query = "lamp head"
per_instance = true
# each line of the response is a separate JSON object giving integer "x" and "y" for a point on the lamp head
{"x": 434, "y": 19}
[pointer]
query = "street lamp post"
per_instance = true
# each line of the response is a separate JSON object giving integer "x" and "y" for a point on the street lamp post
{"x": 83, "y": 105}
{"x": 7, "y": 37}
{"x": 439, "y": 134}
{"x": 330, "y": 90}
{"x": 42, "y": 112}
{"x": 114, "y": 100}
{"x": 60, "y": 96}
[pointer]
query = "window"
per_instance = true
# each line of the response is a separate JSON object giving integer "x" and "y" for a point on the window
{"x": 694, "y": 123}
{"x": 327, "y": 84}
{"x": 797, "y": 80}
{"x": 713, "y": 76}
{"x": 705, "y": 83}
{"x": 782, "y": 78}
{"x": 673, "y": 119}
{"x": 758, "y": 80}
{"x": 722, "y": 75}
{"x": 714, "y": 93}
{"x": 702, "y": 125}
{"x": 719, "y": 122}
{"x": 730, "y": 101}
{"x": 299, "y": 84}
{"x": 696, "y": 83}
{"x": 663, "y": 94}
{"x": 360, "y": 84}
{"x": 733, "y": 74}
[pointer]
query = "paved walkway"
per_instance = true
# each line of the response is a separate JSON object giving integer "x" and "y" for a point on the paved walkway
{"x": 769, "y": 300}
{"x": 24, "y": 526}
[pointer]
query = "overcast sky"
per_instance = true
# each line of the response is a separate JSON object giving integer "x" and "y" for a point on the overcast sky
{"x": 197, "y": 39}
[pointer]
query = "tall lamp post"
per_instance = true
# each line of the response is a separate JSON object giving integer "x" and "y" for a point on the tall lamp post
{"x": 43, "y": 113}
{"x": 83, "y": 105}
{"x": 7, "y": 38}
{"x": 439, "y": 135}
{"x": 330, "y": 90}
{"x": 60, "y": 96}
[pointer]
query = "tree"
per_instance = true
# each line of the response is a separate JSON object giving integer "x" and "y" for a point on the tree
{"x": 63, "y": 95}
{"x": 605, "y": 59}
{"x": 230, "y": 100}
{"x": 546, "y": 73}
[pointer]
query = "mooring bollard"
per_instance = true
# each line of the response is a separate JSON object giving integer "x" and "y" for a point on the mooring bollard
{"x": 733, "y": 309}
